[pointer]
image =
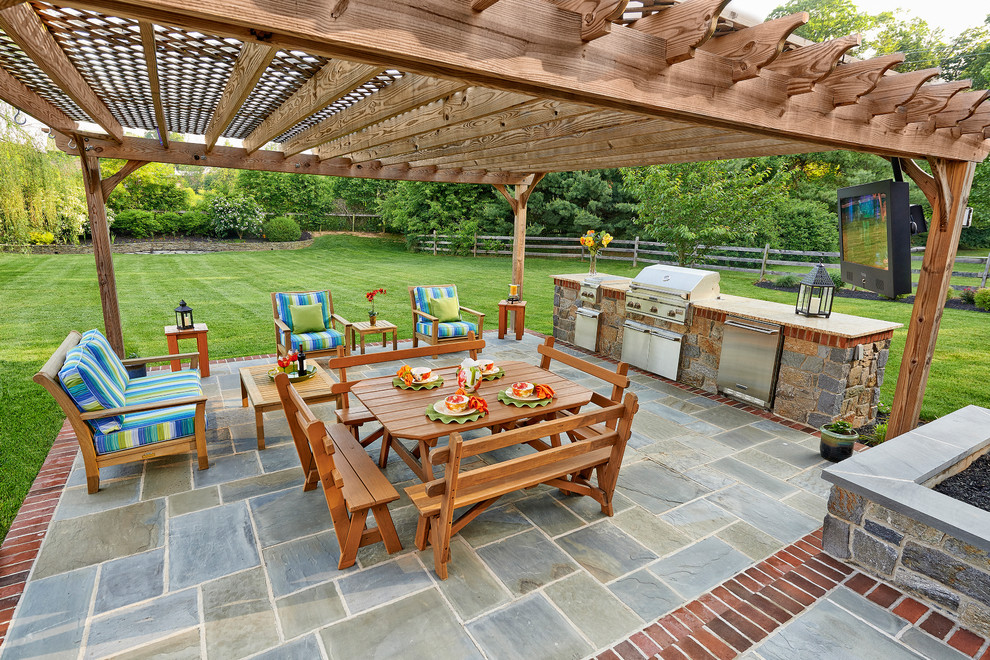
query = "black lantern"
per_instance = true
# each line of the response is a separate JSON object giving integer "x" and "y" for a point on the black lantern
{"x": 815, "y": 293}
{"x": 183, "y": 316}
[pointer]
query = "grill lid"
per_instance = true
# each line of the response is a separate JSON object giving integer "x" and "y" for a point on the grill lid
{"x": 689, "y": 283}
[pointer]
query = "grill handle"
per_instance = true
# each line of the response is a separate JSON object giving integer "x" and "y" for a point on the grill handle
{"x": 752, "y": 328}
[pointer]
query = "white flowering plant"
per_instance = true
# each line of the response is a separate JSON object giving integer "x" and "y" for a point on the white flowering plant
{"x": 240, "y": 215}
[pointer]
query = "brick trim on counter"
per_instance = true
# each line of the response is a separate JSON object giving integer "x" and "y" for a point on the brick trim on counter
{"x": 566, "y": 284}
{"x": 805, "y": 334}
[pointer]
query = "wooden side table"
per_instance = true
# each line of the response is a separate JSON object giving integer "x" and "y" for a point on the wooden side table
{"x": 362, "y": 328}
{"x": 198, "y": 332}
{"x": 260, "y": 391}
{"x": 519, "y": 311}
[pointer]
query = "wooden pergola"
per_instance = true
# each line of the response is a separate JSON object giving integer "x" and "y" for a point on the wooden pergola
{"x": 482, "y": 91}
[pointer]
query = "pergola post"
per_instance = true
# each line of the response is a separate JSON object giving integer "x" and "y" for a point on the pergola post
{"x": 947, "y": 189}
{"x": 96, "y": 193}
{"x": 518, "y": 199}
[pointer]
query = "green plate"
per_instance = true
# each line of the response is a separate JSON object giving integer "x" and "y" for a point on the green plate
{"x": 432, "y": 414}
{"x": 401, "y": 384}
{"x": 495, "y": 376}
{"x": 505, "y": 398}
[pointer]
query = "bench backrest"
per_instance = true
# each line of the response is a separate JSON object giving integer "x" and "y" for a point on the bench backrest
{"x": 618, "y": 378}
{"x": 506, "y": 476}
{"x": 47, "y": 377}
{"x": 281, "y": 301}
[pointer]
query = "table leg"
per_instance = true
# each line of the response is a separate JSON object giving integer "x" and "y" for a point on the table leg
{"x": 259, "y": 422}
{"x": 502, "y": 311}
{"x": 173, "y": 348}
{"x": 204, "y": 355}
{"x": 520, "y": 322}
{"x": 244, "y": 396}
{"x": 395, "y": 339}
{"x": 362, "y": 343}
{"x": 424, "y": 459}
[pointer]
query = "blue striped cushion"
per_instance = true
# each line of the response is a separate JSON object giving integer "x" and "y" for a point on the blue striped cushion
{"x": 105, "y": 354}
{"x": 317, "y": 341}
{"x": 283, "y": 300}
{"x": 459, "y": 329}
{"x": 90, "y": 387}
{"x": 422, "y": 294}
{"x": 163, "y": 387}
{"x": 145, "y": 428}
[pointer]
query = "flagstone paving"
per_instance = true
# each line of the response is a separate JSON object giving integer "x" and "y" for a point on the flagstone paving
{"x": 238, "y": 561}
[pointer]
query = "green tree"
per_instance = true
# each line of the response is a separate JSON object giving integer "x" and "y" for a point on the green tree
{"x": 969, "y": 56}
{"x": 361, "y": 195}
{"x": 923, "y": 46}
{"x": 154, "y": 187}
{"x": 449, "y": 208}
{"x": 692, "y": 207}
{"x": 280, "y": 193}
{"x": 830, "y": 19}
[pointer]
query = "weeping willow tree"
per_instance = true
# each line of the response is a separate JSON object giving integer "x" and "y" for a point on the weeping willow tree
{"x": 41, "y": 194}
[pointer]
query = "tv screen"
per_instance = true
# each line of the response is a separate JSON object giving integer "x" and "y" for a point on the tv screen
{"x": 875, "y": 237}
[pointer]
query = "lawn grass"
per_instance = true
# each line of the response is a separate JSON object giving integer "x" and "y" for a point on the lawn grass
{"x": 45, "y": 296}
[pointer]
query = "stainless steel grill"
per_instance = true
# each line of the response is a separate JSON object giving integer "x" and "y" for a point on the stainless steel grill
{"x": 666, "y": 292}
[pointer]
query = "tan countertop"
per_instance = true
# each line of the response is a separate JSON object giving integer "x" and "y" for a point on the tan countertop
{"x": 616, "y": 282}
{"x": 842, "y": 325}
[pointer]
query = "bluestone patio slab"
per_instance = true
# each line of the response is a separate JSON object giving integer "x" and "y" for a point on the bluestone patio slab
{"x": 667, "y": 413}
{"x": 655, "y": 427}
{"x": 699, "y": 518}
{"x": 309, "y": 609}
{"x": 165, "y": 480}
{"x": 704, "y": 428}
{"x": 470, "y": 587}
{"x": 754, "y": 477}
{"x": 593, "y": 609}
{"x": 289, "y": 514}
{"x": 130, "y": 580}
{"x": 885, "y": 620}
{"x": 405, "y": 521}
{"x": 78, "y": 502}
{"x": 238, "y": 615}
{"x": 646, "y": 595}
{"x": 605, "y": 551}
{"x": 379, "y": 584}
{"x": 548, "y": 514}
{"x": 704, "y": 565}
{"x": 242, "y": 489}
{"x": 748, "y": 540}
{"x": 658, "y": 535}
{"x": 209, "y": 544}
{"x": 727, "y": 417}
{"x": 228, "y": 468}
{"x": 527, "y": 561}
{"x": 657, "y": 488}
{"x": 680, "y": 405}
{"x": 791, "y": 452}
{"x": 154, "y": 620}
{"x": 397, "y": 630}
{"x": 767, "y": 463}
{"x": 51, "y": 617}
{"x": 302, "y": 563}
{"x": 280, "y": 457}
{"x": 827, "y": 631}
{"x": 807, "y": 503}
{"x": 588, "y": 509}
{"x": 929, "y": 647}
{"x": 193, "y": 500}
{"x": 766, "y": 514}
{"x": 305, "y": 648}
{"x": 742, "y": 437}
{"x": 494, "y": 524}
{"x": 529, "y": 628}
{"x": 709, "y": 477}
{"x": 785, "y": 432}
{"x": 182, "y": 646}
{"x": 811, "y": 480}
{"x": 101, "y": 536}
{"x": 675, "y": 455}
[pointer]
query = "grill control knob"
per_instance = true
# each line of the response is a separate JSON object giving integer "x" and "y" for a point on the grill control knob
{"x": 672, "y": 313}
{"x": 653, "y": 309}
{"x": 635, "y": 305}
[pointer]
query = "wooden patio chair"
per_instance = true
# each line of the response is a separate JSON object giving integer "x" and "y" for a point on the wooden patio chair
{"x": 316, "y": 340}
{"x": 600, "y": 450}
{"x": 434, "y": 330}
{"x": 118, "y": 419}
{"x": 352, "y": 483}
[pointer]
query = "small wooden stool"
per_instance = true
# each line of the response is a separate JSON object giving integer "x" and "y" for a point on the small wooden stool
{"x": 519, "y": 309}
{"x": 362, "y": 328}
{"x": 198, "y": 332}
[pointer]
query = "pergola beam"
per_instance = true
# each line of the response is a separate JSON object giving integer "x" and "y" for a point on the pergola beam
{"x": 540, "y": 56}
{"x": 806, "y": 66}
{"x": 149, "y": 44}
{"x": 24, "y": 98}
{"x": 849, "y": 82}
{"x": 334, "y": 80}
{"x": 960, "y": 107}
{"x": 753, "y": 48}
{"x": 684, "y": 27}
{"x": 596, "y": 15}
{"x": 251, "y": 64}
{"x": 24, "y": 26}
{"x": 894, "y": 91}
{"x": 932, "y": 99}
{"x": 409, "y": 92}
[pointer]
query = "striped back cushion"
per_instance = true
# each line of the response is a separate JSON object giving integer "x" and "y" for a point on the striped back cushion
{"x": 422, "y": 294}
{"x": 91, "y": 387}
{"x": 283, "y": 300}
{"x": 101, "y": 350}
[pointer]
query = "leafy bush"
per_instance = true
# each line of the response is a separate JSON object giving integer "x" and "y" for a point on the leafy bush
{"x": 950, "y": 294}
{"x": 836, "y": 278}
{"x": 169, "y": 223}
{"x": 788, "y": 280}
{"x": 137, "y": 223}
{"x": 282, "y": 228}
{"x": 194, "y": 223}
{"x": 982, "y": 299}
{"x": 41, "y": 237}
{"x": 968, "y": 295}
{"x": 879, "y": 433}
{"x": 239, "y": 215}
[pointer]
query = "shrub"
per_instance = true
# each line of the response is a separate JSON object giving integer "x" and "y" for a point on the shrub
{"x": 170, "y": 223}
{"x": 41, "y": 237}
{"x": 282, "y": 228}
{"x": 982, "y": 299}
{"x": 194, "y": 223}
{"x": 239, "y": 215}
{"x": 788, "y": 281}
{"x": 137, "y": 223}
{"x": 950, "y": 294}
{"x": 836, "y": 278}
{"x": 879, "y": 433}
{"x": 968, "y": 295}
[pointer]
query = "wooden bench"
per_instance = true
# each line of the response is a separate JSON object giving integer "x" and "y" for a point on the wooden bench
{"x": 562, "y": 466}
{"x": 355, "y": 416}
{"x": 352, "y": 483}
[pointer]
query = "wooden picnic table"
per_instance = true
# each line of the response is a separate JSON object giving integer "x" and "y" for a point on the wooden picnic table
{"x": 402, "y": 413}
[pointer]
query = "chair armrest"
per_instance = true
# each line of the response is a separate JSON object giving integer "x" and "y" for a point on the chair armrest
{"x": 471, "y": 311}
{"x": 143, "y": 407}
{"x": 159, "y": 358}
{"x": 339, "y": 319}
{"x": 426, "y": 316}
{"x": 281, "y": 326}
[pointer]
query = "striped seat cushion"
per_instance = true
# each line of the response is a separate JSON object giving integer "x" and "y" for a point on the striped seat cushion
{"x": 163, "y": 387}
{"x": 283, "y": 300}
{"x": 91, "y": 387}
{"x": 317, "y": 341}
{"x": 422, "y": 295}
{"x": 106, "y": 356}
{"x": 146, "y": 428}
{"x": 444, "y": 330}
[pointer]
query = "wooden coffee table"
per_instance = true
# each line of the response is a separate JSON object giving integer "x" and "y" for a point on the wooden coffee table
{"x": 259, "y": 390}
{"x": 362, "y": 328}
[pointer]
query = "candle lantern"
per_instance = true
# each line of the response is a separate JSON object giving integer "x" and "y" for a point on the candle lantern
{"x": 815, "y": 293}
{"x": 183, "y": 316}
{"x": 513, "y": 293}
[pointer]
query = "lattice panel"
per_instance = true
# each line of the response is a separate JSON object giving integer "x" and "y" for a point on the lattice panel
{"x": 107, "y": 52}
{"x": 19, "y": 65}
{"x": 370, "y": 87}
{"x": 193, "y": 69}
{"x": 287, "y": 72}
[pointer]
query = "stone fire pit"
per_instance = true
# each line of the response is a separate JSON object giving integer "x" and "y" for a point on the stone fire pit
{"x": 884, "y": 516}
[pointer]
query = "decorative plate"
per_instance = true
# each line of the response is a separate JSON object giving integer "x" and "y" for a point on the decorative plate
{"x": 441, "y": 407}
{"x": 495, "y": 375}
{"x": 520, "y": 403}
{"x": 531, "y": 397}
{"x": 432, "y": 412}
{"x": 430, "y": 384}
{"x": 295, "y": 376}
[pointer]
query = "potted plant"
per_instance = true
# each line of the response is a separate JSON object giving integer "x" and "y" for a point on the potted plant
{"x": 838, "y": 439}
{"x": 372, "y": 314}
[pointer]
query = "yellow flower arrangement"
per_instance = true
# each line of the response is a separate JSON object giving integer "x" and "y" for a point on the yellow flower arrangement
{"x": 596, "y": 241}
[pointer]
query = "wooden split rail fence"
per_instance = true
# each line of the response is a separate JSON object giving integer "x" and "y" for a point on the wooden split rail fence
{"x": 763, "y": 260}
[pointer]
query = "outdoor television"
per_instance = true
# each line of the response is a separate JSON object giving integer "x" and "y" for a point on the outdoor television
{"x": 875, "y": 237}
